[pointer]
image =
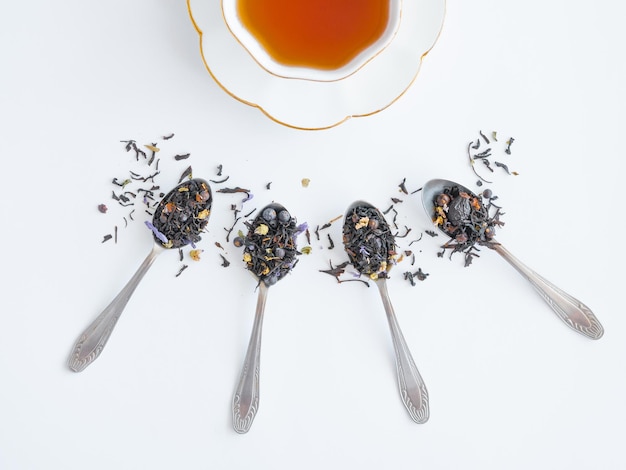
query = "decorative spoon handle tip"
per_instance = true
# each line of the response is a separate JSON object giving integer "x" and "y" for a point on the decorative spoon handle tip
{"x": 246, "y": 397}
{"x": 413, "y": 390}
{"x": 570, "y": 310}
{"x": 93, "y": 340}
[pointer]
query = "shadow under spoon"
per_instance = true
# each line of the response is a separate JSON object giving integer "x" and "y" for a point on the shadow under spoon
{"x": 369, "y": 244}
{"x": 570, "y": 310}
{"x": 178, "y": 220}
{"x": 269, "y": 253}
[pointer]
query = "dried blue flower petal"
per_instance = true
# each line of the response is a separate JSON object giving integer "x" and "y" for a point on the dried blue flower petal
{"x": 301, "y": 228}
{"x": 156, "y": 232}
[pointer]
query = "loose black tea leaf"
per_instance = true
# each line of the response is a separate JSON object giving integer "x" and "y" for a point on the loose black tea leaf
{"x": 407, "y": 230}
{"x": 132, "y": 145}
{"x": 508, "y": 146}
{"x": 420, "y": 275}
{"x": 233, "y": 190}
{"x": 223, "y": 180}
{"x": 503, "y": 166}
{"x": 107, "y": 237}
{"x": 151, "y": 177}
{"x": 473, "y": 161}
{"x": 337, "y": 271}
{"x": 168, "y": 137}
{"x": 121, "y": 183}
{"x": 182, "y": 268}
{"x": 483, "y": 154}
{"x": 186, "y": 174}
{"x": 417, "y": 239}
{"x": 403, "y": 187}
{"x": 229, "y": 230}
{"x": 331, "y": 243}
{"x": 154, "y": 149}
{"x": 484, "y": 137}
{"x": 225, "y": 262}
{"x": 412, "y": 276}
{"x": 182, "y": 156}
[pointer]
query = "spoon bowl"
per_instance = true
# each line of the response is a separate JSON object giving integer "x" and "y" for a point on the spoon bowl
{"x": 269, "y": 254}
{"x": 178, "y": 220}
{"x": 570, "y": 310}
{"x": 370, "y": 246}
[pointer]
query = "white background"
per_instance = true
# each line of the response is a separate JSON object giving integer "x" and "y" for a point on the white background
{"x": 510, "y": 385}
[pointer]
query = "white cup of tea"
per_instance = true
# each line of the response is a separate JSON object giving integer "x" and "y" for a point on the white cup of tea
{"x": 322, "y": 40}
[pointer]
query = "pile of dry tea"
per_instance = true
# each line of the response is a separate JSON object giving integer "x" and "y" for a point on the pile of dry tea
{"x": 467, "y": 218}
{"x": 270, "y": 246}
{"x": 368, "y": 241}
{"x": 182, "y": 214}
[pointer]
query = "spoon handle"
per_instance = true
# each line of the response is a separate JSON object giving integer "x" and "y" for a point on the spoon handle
{"x": 412, "y": 388}
{"x": 246, "y": 397}
{"x": 91, "y": 342}
{"x": 571, "y": 311}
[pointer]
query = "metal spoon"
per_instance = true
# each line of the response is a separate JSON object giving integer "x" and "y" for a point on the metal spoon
{"x": 370, "y": 245}
{"x": 178, "y": 219}
{"x": 269, "y": 253}
{"x": 571, "y": 311}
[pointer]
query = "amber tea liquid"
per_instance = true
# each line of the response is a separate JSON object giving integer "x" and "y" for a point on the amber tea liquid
{"x": 320, "y": 34}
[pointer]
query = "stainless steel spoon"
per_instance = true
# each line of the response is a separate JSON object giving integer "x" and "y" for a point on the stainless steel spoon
{"x": 182, "y": 225}
{"x": 368, "y": 242}
{"x": 570, "y": 310}
{"x": 269, "y": 253}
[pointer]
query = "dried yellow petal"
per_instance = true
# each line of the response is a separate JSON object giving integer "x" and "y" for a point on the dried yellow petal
{"x": 305, "y": 182}
{"x": 247, "y": 257}
{"x": 204, "y": 214}
{"x": 261, "y": 229}
{"x": 362, "y": 223}
{"x": 195, "y": 254}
